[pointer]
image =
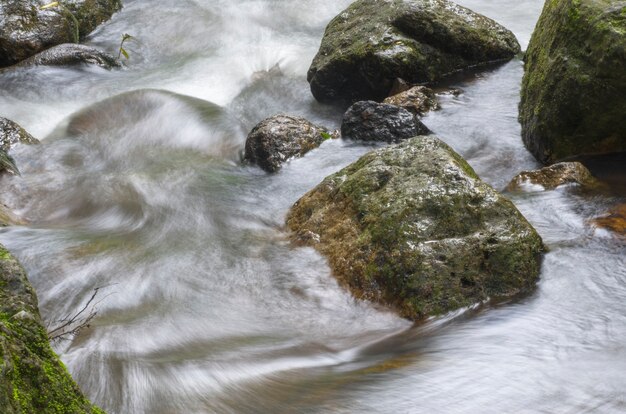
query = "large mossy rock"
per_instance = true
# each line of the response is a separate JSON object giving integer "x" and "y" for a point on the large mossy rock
{"x": 25, "y": 29}
{"x": 574, "y": 89}
{"x": 412, "y": 227}
{"x": 374, "y": 42}
{"x": 32, "y": 379}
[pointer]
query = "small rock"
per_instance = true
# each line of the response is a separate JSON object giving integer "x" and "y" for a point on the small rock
{"x": 11, "y": 133}
{"x": 614, "y": 221}
{"x": 373, "y": 121}
{"x": 281, "y": 137}
{"x": 71, "y": 54}
{"x": 418, "y": 100}
{"x": 553, "y": 176}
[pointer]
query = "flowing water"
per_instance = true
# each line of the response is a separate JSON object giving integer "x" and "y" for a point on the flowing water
{"x": 204, "y": 305}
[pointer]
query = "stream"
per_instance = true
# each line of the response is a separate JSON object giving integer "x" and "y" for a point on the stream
{"x": 204, "y": 306}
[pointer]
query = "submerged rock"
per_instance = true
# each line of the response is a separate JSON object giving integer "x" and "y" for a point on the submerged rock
{"x": 372, "y": 43}
{"x": 33, "y": 379}
{"x": 573, "y": 97}
{"x": 279, "y": 138}
{"x": 553, "y": 176}
{"x": 71, "y": 54}
{"x": 418, "y": 100}
{"x": 412, "y": 227}
{"x": 25, "y": 29}
{"x": 372, "y": 121}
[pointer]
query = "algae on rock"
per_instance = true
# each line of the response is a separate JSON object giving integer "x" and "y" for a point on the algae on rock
{"x": 32, "y": 378}
{"x": 573, "y": 97}
{"x": 412, "y": 227}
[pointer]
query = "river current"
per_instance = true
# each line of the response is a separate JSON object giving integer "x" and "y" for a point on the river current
{"x": 205, "y": 306}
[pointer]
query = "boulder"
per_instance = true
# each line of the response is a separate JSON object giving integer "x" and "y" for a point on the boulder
{"x": 553, "y": 176}
{"x": 33, "y": 378}
{"x": 573, "y": 96}
{"x": 279, "y": 138}
{"x": 372, "y": 121}
{"x": 417, "y": 100}
{"x": 374, "y": 42}
{"x": 25, "y": 29}
{"x": 70, "y": 54}
{"x": 412, "y": 227}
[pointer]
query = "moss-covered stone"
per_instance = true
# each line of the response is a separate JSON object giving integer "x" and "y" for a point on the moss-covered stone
{"x": 573, "y": 97}
{"x": 25, "y": 29}
{"x": 411, "y": 226}
{"x": 374, "y": 42}
{"x": 32, "y": 378}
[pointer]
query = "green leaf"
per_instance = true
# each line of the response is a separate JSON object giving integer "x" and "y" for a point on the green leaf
{"x": 124, "y": 52}
{"x": 49, "y": 5}
{"x": 325, "y": 135}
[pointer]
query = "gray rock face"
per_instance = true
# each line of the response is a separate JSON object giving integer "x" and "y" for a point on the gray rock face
{"x": 71, "y": 54}
{"x": 412, "y": 227}
{"x": 554, "y": 176}
{"x": 25, "y": 29}
{"x": 279, "y": 138}
{"x": 33, "y": 379}
{"x": 417, "y": 100}
{"x": 373, "y": 42}
{"x": 372, "y": 121}
{"x": 573, "y": 96}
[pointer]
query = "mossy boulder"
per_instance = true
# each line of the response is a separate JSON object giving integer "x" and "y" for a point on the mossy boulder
{"x": 25, "y": 29}
{"x": 411, "y": 226}
{"x": 554, "y": 176}
{"x": 32, "y": 379}
{"x": 573, "y": 97}
{"x": 373, "y": 42}
{"x": 279, "y": 138}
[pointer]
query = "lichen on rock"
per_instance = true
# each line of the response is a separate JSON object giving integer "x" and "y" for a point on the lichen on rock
{"x": 411, "y": 226}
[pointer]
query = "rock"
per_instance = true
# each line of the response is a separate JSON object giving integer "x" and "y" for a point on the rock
{"x": 411, "y": 226}
{"x": 25, "y": 29}
{"x": 573, "y": 97}
{"x": 279, "y": 138}
{"x": 373, "y": 42}
{"x": 553, "y": 176}
{"x": 418, "y": 100}
{"x": 614, "y": 220}
{"x": 372, "y": 121}
{"x": 11, "y": 134}
{"x": 33, "y": 379}
{"x": 71, "y": 54}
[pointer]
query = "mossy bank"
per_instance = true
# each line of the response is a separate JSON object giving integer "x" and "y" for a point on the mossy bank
{"x": 32, "y": 378}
